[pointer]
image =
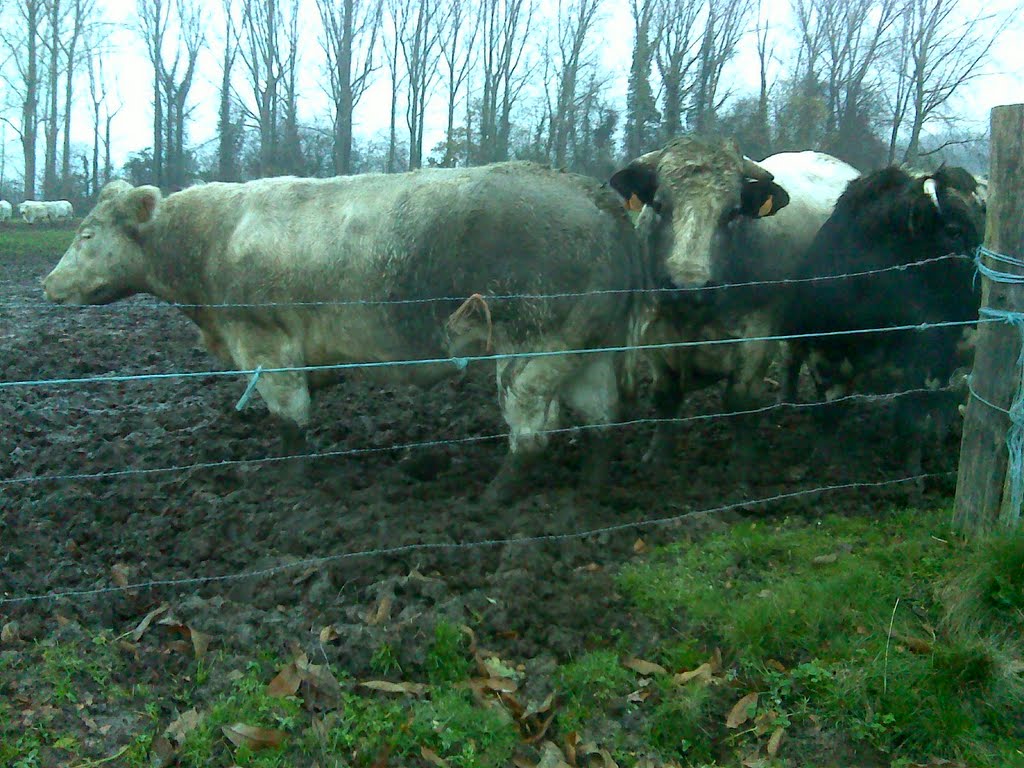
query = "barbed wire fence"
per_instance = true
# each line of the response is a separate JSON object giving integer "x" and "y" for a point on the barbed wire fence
{"x": 460, "y": 362}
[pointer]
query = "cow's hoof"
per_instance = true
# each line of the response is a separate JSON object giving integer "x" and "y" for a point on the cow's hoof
{"x": 511, "y": 482}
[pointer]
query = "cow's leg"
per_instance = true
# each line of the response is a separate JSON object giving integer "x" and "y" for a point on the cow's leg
{"x": 745, "y": 391}
{"x": 528, "y": 392}
{"x": 793, "y": 356}
{"x": 286, "y": 394}
{"x": 593, "y": 393}
{"x": 668, "y": 398}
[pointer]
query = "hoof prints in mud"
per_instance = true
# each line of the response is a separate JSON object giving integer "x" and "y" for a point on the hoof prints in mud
{"x": 528, "y": 600}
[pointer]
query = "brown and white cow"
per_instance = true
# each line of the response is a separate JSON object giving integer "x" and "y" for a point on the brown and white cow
{"x": 372, "y": 240}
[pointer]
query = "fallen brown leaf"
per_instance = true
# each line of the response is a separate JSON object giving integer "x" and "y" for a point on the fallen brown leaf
{"x": 499, "y": 684}
{"x": 140, "y": 630}
{"x": 433, "y": 758}
{"x": 286, "y": 682}
{"x": 120, "y": 573}
{"x": 9, "y": 633}
{"x": 916, "y": 645}
{"x": 640, "y": 547}
{"x": 381, "y": 614}
{"x": 595, "y": 753}
{"x": 251, "y": 737}
{"x": 701, "y": 674}
{"x": 180, "y": 728}
{"x": 410, "y": 689}
{"x": 162, "y": 753}
{"x": 775, "y": 664}
{"x": 551, "y": 756}
{"x": 644, "y": 667}
{"x": 329, "y": 634}
{"x": 775, "y": 741}
{"x": 200, "y": 642}
{"x": 742, "y": 711}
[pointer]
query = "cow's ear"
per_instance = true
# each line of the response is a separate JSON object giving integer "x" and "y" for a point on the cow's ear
{"x": 637, "y": 183}
{"x": 112, "y": 189}
{"x": 762, "y": 198}
{"x": 140, "y": 204}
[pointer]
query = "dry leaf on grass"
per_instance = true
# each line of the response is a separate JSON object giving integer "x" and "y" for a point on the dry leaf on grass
{"x": 640, "y": 547}
{"x": 329, "y": 634}
{"x": 200, "y": 641}
{"x": 381, "y": 614}
{"x": 644, "y": 667}
{"x": 180, "y": 728}
{"x": 551, "y": 756}
{"x": 433, "y": 758}
{"x": 775, "y": 741}
{"x": 825, "y": 559}
{"x": 742, "y": 711}
{"x": 916, "y": 645}
{"x": 251, "y": 737}
{"x": 162, "y": 753}
{"x": 597, "y": 757}
{"x": 9, "y": 633}
{"x": 409, "y": 689}
{"x": 140, "y": 630}
{"x": 701, "y": 674}
{"x": 286, "y": 682}
{"x": 120, "y": 573}
{"x": 498, "y": 684}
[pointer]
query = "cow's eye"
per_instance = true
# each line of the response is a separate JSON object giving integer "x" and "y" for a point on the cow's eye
{"x": 85, "y": 235}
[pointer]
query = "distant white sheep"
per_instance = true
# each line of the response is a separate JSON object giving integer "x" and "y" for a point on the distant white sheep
{"x": 6, "y": 209}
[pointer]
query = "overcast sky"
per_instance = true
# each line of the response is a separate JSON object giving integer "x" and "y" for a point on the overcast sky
{"x": 127, "y": 63}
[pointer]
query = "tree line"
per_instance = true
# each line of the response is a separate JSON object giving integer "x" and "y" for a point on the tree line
{"x": 870, "y": 81}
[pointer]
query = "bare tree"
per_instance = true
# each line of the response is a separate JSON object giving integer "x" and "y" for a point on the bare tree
{"x": 153, "y": 20}
{"x": 397, "y": 17}
{"x": 229, "y": 129}
{"x": 457, "y": 40}
{"x": 350, "y": 30}
{"x": 21, "y": 47}
{"x": 177, "y": 82}
{"x": 940, "y": 49}
{"x": 724, "y": 24}
{"x": 56, "y": 13}
{"x": 94, "y": 52}
{"x": 265, "y": 49}
{"x": 847, "y": 38}
{"x": 676, "y": 57}
{"x": 641, "y": 110}
{"x": 574, "y": 24}
{"x": 420, "y": 53}
{"x": 81, "y": 15}
{"x": 505, "y": 25}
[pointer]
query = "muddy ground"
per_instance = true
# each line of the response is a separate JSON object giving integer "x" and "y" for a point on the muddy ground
{"x": 61, "y": 530}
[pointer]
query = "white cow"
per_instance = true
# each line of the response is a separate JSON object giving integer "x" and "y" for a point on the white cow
{"x": 365, "y": 257}
{"x": 60, "y": 210}
{"x": 5, "y": 210}
{"x": 34, "y": 210}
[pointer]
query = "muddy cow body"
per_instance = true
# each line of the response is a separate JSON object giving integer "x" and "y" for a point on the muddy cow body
{"x": 713, "y": 217}
{"x": 888, "y": 219}
{"x": 346, "y": 270}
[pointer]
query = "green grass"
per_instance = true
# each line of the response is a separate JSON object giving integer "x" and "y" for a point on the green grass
{"x": 18, "y": 240}
{"x": 890, "y": 631}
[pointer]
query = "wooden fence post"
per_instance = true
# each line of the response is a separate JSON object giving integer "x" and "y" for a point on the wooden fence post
{"x": 982, "y": 488}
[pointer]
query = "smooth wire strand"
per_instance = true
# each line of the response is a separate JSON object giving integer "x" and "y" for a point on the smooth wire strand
{"x": 511, "y": 296}
{"x": 451, "y": 442}
{"x": 316, "y": 562}
{"x": 461, "y": 362}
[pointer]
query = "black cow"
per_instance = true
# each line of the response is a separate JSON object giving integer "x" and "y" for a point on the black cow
{"x": 885, "y": 219}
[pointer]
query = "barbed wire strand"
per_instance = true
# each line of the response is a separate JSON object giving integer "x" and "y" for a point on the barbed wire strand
{"x": 315, "y": 562}
{"x": 507, "y": 296}
{"x": 452, "y": 442}
{"x": 462, "y": 362}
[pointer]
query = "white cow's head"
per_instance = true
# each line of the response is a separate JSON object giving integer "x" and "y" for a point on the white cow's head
{"x": 691, "y": 192}
{"x": 105, "y": 262}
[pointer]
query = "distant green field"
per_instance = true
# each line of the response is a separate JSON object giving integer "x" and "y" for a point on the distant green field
{"x": 17, "y": 240}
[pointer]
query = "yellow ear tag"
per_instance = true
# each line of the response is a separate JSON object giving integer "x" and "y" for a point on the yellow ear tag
{"x": 766, "y": 207}
{"x": 634, "y": 203}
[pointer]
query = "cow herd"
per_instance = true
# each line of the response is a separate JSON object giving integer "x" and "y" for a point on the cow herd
{"x": 32, "y": 211}
{"x": 545, "y": 273}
